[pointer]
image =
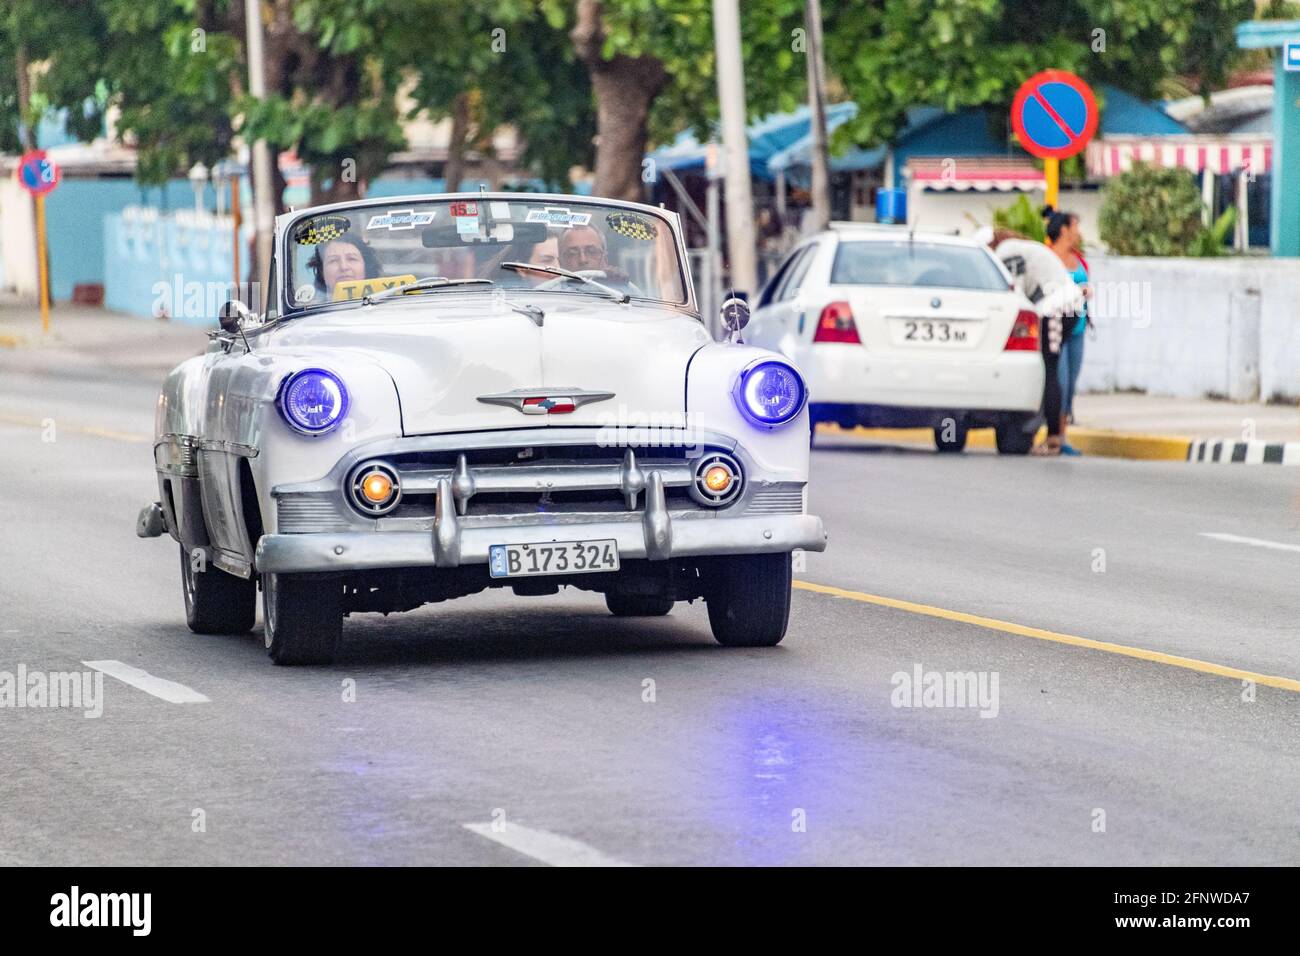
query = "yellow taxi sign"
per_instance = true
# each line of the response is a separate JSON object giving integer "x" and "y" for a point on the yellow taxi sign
{"x": 347, "y": 290}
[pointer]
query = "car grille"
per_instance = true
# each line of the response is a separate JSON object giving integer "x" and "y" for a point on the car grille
{"x": 528, "y": 481}
{"x": 783, "y": 498}
{"x": 304, "y": 514}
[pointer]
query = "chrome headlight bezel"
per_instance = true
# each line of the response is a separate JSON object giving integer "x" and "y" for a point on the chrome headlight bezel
{"x": 747, "y": 375}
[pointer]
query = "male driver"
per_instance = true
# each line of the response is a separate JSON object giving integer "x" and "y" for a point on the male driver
{"x": 582, "y": 249}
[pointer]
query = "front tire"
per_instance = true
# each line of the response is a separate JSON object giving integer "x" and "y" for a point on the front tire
{"x": 303, "y": 617}
{"x": 637, "y": 605}
{"x": 749, "y": 600}
{"x": 217, "y": 602}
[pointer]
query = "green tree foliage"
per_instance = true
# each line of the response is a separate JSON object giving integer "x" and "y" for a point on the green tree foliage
{"x": 893, "y": 54}
{"x": 328, "y": 96}
{"x": 168, "y": 77}
{"x": 511, "y": 64}
{"x": 632, "y": 71}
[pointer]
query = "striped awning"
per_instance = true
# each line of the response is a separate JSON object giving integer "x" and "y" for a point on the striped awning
{"x": 980, "y": 173}
{"x": 1112, "y": 155}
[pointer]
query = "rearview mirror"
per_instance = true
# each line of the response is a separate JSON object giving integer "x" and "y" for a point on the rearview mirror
{"x": 735, "y": 314}
{"x": 233, "y": 315}
{"x": 449, "y": 236}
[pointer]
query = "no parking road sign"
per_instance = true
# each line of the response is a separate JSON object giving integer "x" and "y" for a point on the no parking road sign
{"x": 37, "y": 173}
{"x": 1054, "y": 114}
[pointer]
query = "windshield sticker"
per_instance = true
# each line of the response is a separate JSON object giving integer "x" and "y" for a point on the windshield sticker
{"x": 558, "y": 216}
{"x": 304, "y": 294}
{"x": 466, "y": 216}
{"x": 631, "y": 225}
{"x": 500, "y": 210}
{"x": 321, "y": 229}
{"x": 348, "y": 290}
{"x": 400, "y": 219}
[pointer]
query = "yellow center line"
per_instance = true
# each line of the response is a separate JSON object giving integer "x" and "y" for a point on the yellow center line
{"x": 133, "y": 437}
{"x": 1173, "y": 660}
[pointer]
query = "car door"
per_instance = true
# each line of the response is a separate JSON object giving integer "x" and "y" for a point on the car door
{"x": 773, "y": 320}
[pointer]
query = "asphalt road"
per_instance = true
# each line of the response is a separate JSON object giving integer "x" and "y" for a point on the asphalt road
{"x": 532, "y": 712}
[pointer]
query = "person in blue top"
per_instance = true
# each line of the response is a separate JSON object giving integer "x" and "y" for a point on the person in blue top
{"x": 1063, "y": 236}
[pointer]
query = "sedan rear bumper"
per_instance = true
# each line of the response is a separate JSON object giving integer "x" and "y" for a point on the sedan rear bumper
{"x": 681, "y": 535}
{"x": 853, "y": 375}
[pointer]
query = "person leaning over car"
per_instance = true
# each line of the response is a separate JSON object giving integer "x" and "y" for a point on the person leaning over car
{"x": 1048, "y": 285}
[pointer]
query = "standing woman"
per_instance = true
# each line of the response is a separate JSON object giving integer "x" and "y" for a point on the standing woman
{"x": 1063, "y": 236}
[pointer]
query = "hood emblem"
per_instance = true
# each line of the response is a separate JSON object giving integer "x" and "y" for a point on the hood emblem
{"x": 548, "y": 401}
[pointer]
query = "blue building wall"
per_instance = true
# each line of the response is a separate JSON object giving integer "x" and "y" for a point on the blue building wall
{"x": 159, "y": 265}
{"x": 75, "y": 213}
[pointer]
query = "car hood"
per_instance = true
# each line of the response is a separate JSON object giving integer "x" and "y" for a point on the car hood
{"x": 447, "y": 350}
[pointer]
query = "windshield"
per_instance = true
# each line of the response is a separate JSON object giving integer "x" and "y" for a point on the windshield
{"x": 929, "y": 264}
{"x": 344, "y": 255}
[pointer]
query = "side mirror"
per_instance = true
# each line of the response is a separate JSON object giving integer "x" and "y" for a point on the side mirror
{"x": 233, "y": 315}
{"x": 735, "y": 314}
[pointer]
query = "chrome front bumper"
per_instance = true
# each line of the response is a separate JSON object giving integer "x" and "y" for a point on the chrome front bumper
{"x": 317, "y": 531}
{"x": 465, "y": 543}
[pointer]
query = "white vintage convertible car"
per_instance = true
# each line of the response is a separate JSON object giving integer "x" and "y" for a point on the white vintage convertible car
{"x": 450, "y": 393}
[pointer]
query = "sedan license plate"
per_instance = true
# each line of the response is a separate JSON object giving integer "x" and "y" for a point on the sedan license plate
{"x": 552, "y": 557}
{"x": 936, "y": 332}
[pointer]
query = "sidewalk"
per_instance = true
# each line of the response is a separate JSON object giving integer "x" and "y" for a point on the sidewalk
{"x": 1192, "y": 418}
{"x": 94, "y": 340}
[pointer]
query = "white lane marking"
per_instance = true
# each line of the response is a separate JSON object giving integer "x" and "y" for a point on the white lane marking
{"x": 550, "y": 848}
{"x": 1257, "y": 542}
{"x": 168, "y": 690}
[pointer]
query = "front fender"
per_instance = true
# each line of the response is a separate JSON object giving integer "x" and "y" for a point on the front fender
{"x": 240, "y": 410}
{"x": 781, "y": 451}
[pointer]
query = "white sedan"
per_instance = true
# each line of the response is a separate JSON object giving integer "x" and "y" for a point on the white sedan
{"x": 903, "y": 329}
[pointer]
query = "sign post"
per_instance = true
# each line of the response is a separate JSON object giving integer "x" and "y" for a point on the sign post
{"x": 39, "y": 175}
{"x": 1054, "y": 115}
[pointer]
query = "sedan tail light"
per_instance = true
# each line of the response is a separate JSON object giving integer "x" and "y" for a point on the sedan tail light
{"x": 1024, "y": 334}
{"x": 836, "y": 325}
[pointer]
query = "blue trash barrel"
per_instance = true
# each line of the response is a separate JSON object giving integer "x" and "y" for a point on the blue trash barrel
{"x": 891, "y": 205}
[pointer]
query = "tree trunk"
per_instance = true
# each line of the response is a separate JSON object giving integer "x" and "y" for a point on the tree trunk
{"x": 625, "y": 87}
{"x": 455, "y": 169}
{"x": 25, "y": 98}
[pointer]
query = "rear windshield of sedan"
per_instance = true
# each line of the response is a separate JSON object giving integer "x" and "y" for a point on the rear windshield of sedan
{"x": 926, "y": 264}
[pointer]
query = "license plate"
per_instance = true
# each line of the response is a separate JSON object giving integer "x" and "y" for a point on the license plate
{"x": 938, "y": 332}
{"x": 552, "y": 557}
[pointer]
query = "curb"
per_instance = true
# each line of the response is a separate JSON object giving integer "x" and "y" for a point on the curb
{"x": 1096, "y": 442}
{"x": 1221, "y": 451}
{"x": 1132, "y": 445}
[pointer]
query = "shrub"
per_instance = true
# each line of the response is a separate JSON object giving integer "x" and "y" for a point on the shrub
{"x": 1023, "y": 217}
{"x": 1152, "y": 212}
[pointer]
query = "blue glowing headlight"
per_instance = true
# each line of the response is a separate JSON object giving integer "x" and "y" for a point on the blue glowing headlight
{"x": 770, "y": 393}
{"x": 313, "y": 401}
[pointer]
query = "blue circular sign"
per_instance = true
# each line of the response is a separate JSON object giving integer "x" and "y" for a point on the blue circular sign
{"x": 37, "y": 173}
{"x": 1054, "y": 114}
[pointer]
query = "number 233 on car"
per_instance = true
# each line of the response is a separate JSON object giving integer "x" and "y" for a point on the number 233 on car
{"x": 446, "y": 394}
